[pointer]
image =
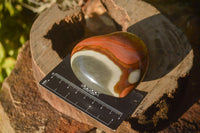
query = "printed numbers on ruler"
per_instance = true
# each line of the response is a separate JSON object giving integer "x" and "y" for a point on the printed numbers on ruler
{"x": 81, "y": 99}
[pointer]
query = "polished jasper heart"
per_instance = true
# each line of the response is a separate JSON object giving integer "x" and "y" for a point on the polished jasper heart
{"x": 111, "y": 64}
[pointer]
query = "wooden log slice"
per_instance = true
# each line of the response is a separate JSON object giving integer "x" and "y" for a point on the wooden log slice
{"x": 52, "y": 36}
{"x": 55, "y": 32}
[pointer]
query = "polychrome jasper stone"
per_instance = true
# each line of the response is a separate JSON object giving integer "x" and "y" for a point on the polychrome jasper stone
{"x": 111, "y": 64}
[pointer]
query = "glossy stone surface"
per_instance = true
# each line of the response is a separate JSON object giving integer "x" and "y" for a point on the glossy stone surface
{"x": 112, "y": 64}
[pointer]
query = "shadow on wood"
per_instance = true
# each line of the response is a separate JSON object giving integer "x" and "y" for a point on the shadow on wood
{"x": 157, "y": 117}
{"x": 167, "y": 45}
{"x": 164, "y": 57}
{"x": 64, "y": 36}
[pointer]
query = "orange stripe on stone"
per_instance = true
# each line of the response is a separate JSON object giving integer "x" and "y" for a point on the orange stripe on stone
{"x": 126, "y": 91}
{"x": 124, "y": 52}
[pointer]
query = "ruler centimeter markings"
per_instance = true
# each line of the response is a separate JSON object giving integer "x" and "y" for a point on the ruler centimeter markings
{"x": 76, "y": 96}
{"x": 110, "y": 111}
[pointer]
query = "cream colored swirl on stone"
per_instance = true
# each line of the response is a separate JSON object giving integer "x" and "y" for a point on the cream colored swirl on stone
{"x": 134, "y": 76}
{"x": 115, "y": 70}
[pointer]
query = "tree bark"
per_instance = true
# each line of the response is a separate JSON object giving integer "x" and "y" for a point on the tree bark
{"x": 23, "y": 109}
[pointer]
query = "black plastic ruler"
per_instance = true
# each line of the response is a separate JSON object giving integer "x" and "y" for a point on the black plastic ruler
{"x": 108, "y": 110}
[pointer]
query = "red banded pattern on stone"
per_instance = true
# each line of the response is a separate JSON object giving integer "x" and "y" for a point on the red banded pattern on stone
{"x": 111, "y": 64}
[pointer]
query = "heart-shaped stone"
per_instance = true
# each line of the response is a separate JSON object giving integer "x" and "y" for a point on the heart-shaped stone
{"x": 111, "y": 64}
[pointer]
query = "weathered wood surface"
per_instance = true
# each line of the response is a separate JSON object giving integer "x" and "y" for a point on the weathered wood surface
{"x": 171, "y": 57}
{"x": 5, "y": 125}
{"x": 22, "y": 108}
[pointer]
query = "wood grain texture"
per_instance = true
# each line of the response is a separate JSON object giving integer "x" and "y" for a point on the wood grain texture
{"x": 171, "y": 57}
{"x": 52, "y": 35}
